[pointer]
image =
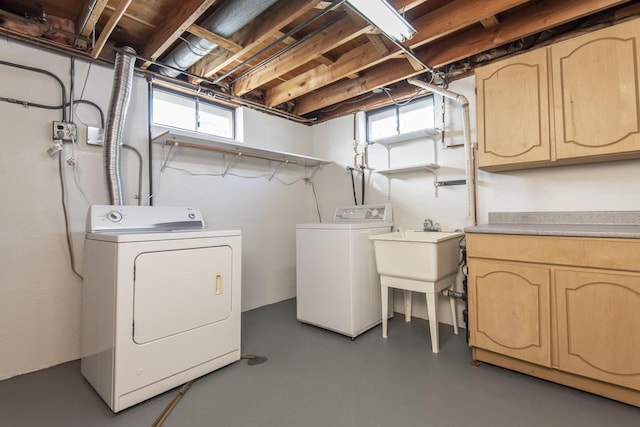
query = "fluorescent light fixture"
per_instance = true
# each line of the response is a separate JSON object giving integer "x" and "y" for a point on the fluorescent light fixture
{"x": 383, "y": 16}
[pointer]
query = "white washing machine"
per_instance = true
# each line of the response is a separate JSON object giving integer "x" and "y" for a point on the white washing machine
{"x": 160, "y": 302}
{"x": 337, "y": 286}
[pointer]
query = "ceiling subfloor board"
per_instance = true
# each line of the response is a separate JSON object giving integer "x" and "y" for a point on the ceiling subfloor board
{"x": 251, "y": 36}
{"x": 110, "y": 26}
{"x": 526, "y": 21}
{"x": 174, "y": 26}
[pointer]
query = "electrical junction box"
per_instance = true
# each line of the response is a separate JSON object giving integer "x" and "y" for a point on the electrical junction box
{"x": 95, "y": 136}
{"x": 63, "y": 131}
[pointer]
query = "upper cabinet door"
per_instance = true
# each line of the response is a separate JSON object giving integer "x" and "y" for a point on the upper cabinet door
{"x": 513, "y": 111}
{"x": 596, "y": 94}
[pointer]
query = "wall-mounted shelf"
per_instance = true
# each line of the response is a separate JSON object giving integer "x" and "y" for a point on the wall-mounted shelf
{"x": 410, "y": 136}
{"x": 425, "y": 167}
{"x": 234, "y": 148}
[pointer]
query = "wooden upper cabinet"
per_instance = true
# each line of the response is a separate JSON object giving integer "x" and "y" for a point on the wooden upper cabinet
{"x": 599, "y": 325}
{"x": 596, "y": 93}
{"x": 513, "y": 111}
{"x": 576, "y": 101}
{"x": 509, "y": 305}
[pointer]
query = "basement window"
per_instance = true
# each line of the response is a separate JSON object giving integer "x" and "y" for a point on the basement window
{"x": 192, "y": 113}
{"x": 401, "y": 118}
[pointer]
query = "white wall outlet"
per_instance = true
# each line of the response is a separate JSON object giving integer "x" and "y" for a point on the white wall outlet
{"x": 64, "y": 131}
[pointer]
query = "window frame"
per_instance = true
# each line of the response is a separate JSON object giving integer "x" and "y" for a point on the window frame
{"x": 198, "y": 103}
{"x": 397, "y": 107}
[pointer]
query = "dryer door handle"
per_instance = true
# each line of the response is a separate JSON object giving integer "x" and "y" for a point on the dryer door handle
{"x": 218, "y": 284}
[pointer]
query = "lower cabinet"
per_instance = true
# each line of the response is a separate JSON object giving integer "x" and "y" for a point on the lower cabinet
{"x": 559, "y": 316}
{"x": 599, "y": 325}
{"x": 511, "y": 312}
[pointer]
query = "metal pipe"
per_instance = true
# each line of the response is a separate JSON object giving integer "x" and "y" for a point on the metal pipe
{"x": 470, "y": 171}
{"x": 284, "y": 37}
{"x": 85, "y": 19}
{"x": 120, "y": 96}
{"x": 229, "y": 18}
{"x": 150, "y": 136}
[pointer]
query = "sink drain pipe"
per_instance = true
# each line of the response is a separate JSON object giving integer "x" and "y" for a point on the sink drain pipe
{"x": 470, "y": 171}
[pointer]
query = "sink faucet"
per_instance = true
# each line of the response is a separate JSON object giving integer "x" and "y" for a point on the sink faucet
{"x": 430, "y": 226}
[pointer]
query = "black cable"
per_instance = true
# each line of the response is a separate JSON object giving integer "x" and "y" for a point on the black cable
{"x": 38, "y": 70}
{"x": 315, "y": 196}
{"x": 362, "y": 198}
{"x": 66, "y": 217}
{"x": 353, "y": 187}
{"x": 54, "y": 107}
{"x": 150, "y": 137}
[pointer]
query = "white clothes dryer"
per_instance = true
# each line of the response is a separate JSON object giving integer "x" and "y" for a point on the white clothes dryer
{"x": 337, "y": 284}
{"x": 161, "y": 305}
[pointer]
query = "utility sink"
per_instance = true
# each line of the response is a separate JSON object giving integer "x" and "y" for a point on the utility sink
{"x": 418, "y": 261}
{"x": 417, "y": 255}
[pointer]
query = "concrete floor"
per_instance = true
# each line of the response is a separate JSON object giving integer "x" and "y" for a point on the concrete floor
{"x": 316, "y": 378}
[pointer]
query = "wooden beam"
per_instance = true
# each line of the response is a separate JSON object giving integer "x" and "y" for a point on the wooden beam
{"x": 342, "y": 31}
{"x": 326, "y": 40}
{"x": 490, "y": 21}
{"x": 253, "y": 35}
{"x": 173, "y": 26}
{"x": 378, "y": 43}
{"x": 454, "y": 16}
{"x": 356, "y": 60}
{"x": 400, "y": 91}
{"x": 109, "y": 27}
{"x": 395, "y": 69}
{"x": 464, "y": 12}
{"x": 224, "y": 43}
{"x": 93, "y": 16}
{"x": 527, "y": 21}
{"x": 531, "y": 19}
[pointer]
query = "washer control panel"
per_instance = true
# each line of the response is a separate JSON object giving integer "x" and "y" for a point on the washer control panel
{"x": 104, "y": 218}
{"x": 364, "y": 213}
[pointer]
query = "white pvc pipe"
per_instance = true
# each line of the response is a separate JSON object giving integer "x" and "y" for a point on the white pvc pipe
{"x": 470, "y": 172}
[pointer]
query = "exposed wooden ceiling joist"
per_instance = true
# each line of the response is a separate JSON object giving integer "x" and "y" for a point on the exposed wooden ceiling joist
{"x": 115, "y": 17}
{"x": 320, "y": 72}
{"x": 526, "y": 21}
{"x": 463, "y": 13}
{"x": 88, "y": 16}
{"x": 340, "y": 32}
{"x": 253, "y": 35}
{"x": 173, "y": 26}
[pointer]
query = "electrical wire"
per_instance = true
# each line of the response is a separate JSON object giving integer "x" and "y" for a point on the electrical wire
{"x": 405, "y": 102}
{"x": 315, "y": 196}
{"x": 66, "y": 218}
{"x": 353, "y": 187}
{"x": 63, "y": 89}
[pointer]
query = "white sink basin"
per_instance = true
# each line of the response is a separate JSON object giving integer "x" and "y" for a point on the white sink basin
{"x": 426, "y": 256}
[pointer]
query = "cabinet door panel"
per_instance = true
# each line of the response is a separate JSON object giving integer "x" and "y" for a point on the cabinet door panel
{"x": 599, "y": 325}
{"x": 509, "y": 309}
{"x": 596, "y": 92}
{"x": 513, "y": 110}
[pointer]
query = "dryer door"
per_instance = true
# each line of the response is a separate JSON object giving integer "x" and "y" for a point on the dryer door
{"x": 180, "y": 290}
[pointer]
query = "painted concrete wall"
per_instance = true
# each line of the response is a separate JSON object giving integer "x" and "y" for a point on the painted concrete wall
{"x": 265, "y": 209}
{"x": 598, "y": 186}
{"x": 40, "y": 296}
